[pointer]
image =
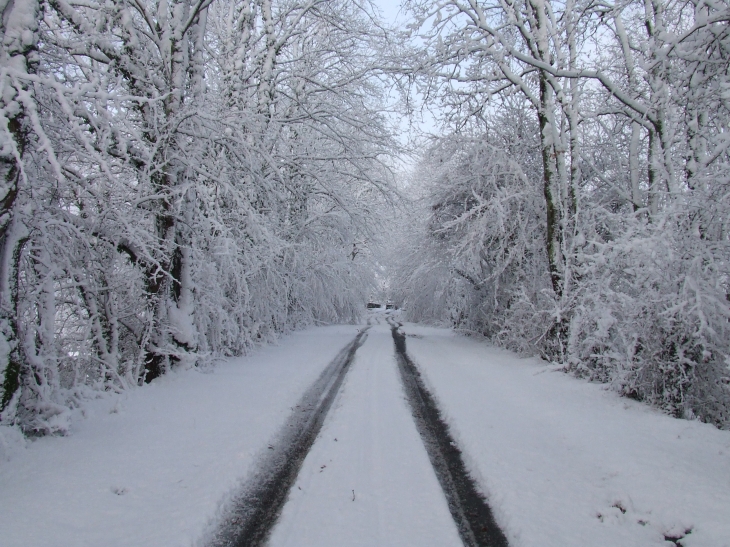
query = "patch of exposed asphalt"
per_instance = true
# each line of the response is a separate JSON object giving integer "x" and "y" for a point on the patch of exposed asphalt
{"x": 469, "y": 509}
{"x": 252, "y": 514}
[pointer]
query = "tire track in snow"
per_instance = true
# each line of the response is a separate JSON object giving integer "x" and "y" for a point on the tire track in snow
{"x": 253, "y": 513}
{"x": 469, "y": 509}
{"x": 369, "y": 444}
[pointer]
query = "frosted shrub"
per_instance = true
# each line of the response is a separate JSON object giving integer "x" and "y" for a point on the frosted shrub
{"x": 652, "y": 319}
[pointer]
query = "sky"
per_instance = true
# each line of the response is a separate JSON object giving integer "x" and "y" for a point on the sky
{"x": 390, "y": 8}
{"x": 391, "y": 12}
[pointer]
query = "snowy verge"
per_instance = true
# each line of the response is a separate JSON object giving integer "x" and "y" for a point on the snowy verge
{"x": 153, "y": 465}
{"x": 568, "y": 463}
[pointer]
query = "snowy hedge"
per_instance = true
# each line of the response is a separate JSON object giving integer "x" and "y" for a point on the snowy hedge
{"x": 577, "y": 202}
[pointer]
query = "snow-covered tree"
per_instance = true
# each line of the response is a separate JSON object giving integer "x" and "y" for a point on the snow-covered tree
{"x": 629, "y": 111}
{"x": 185, "y": 179}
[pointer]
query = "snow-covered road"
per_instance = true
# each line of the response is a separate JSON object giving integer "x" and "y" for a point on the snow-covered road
{"x": 369, "y": 445}
{"x": 563, "y": 462}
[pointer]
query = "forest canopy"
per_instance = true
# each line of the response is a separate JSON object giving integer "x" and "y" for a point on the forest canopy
{"x": 181, "y": 180}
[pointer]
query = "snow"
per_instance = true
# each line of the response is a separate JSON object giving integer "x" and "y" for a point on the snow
{"x": 379, "y": 455}
{"x": 152, "y": 467}
{"x": 565, "y": 462}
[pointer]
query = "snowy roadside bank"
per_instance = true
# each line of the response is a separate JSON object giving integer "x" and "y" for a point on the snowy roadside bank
{"x": 568, "y": 463}
{"x": 150, "y": 467}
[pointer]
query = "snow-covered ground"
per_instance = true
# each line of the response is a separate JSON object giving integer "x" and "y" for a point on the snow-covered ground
{"x": 378, "y": 459}
{"x": 568, "y": 463}
{"x": 151, "y": 467}
{"x": 564, "y": 463}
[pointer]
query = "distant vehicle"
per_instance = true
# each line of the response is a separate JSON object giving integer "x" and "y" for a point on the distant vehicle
{"x": 379, "y": 306}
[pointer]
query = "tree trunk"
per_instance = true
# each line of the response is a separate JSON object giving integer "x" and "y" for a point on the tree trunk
{"x": 11, "y": 247}
{"x": 18, "y": 39}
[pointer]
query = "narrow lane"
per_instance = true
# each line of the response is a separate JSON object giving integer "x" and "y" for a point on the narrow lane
{"x": 368, "y": 479}
{"x": 468, "y": 506}
{"x": 249, "y": 518}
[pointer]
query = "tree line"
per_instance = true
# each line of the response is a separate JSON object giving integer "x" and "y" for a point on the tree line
{"x": 183, "y": 179}
{"x": 577, "y": 201}
{"x": 179, "y": 181}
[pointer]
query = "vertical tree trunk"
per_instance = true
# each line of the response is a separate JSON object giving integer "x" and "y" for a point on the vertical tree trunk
{"x": 11, "y": 247}
{"x": 635, "y": 142}
{"x": 661, "y": 166}
{"x": 170, "y": 291}
{"x": 551, "y": 156}
{"x": 18, "y": 38}
{"x": 574, "y": 180}
{"x": 637, "y": 200}
{"x": 552, "y": 205}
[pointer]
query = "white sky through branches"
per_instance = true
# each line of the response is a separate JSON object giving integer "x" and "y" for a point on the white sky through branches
{"x": 391, "y": 9}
